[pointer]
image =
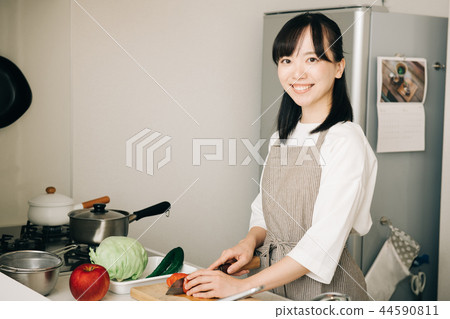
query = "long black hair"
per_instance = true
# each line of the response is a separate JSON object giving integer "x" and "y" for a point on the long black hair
{"x": 323, "y": 31}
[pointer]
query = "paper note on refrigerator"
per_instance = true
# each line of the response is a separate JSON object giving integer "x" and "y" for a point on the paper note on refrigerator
{"x": 401, "y": 128}
{"x": 401, "y": 91}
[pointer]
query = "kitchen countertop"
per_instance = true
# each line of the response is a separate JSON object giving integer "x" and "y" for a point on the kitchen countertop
{"x": 12, "y": 290}
{"x": 61, "y": 292}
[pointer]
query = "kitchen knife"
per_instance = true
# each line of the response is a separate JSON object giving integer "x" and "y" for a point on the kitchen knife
{"x": 177, "y": 286}
{"x": 255, "y": 263}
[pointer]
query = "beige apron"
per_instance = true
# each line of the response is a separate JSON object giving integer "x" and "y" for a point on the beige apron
{"x": 290, "y": 185}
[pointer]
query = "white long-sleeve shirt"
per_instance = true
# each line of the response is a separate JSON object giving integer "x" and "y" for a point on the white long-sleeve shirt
{"x": 347, "y": 183}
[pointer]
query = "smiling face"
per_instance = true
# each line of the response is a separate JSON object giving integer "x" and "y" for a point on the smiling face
{"x": 308, "y": 78}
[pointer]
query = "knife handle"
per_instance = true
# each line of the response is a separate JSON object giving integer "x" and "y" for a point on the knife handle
{"x": 255, "y": 263}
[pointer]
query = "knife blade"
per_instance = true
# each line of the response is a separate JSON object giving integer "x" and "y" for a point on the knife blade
{"x": 177, "y": 286}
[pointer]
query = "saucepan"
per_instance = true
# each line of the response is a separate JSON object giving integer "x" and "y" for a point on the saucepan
{"x": 91, "y": 226}
{"x": 51, "y": 209}
{"x": 36, "y": 269}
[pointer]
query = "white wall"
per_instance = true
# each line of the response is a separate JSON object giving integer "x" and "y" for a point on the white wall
{"x": 35, "y": 150}
{"x": 207, "y": 55}
{"x": 208, "y": 59}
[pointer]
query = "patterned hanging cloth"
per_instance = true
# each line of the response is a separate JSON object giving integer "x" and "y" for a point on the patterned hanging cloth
{"x": 406, "y": 247}
{"x": 391, "y": 265}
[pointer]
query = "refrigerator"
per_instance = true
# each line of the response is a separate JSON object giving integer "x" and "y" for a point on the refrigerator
{"x": 408, "y": 186}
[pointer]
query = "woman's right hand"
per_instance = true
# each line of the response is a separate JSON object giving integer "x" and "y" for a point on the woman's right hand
{"x": 238, "y": 256}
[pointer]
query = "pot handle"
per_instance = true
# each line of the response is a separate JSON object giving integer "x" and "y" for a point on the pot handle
{"x": 100, "y": 200}
{"x": 157, "y": 209}
{"x": 8, "y": 268}
{"x": 63, "y": 250}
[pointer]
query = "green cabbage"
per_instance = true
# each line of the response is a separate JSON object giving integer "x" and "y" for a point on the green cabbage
{"x": 123, "y": 257}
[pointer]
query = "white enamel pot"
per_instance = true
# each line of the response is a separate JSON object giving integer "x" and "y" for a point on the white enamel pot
{"x": 52, "y": 209}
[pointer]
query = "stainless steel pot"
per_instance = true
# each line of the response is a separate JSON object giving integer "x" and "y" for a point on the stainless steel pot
{"x": 91, "y": 226}
{"x": 36, "y": 269}
{"x": 332, "y": 296}
{"x": 51, "y": 209}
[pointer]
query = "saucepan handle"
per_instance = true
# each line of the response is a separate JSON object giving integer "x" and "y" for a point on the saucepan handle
{"x": 63, "y": 250}
{"x": 8, "y": 268}
{"x": 90, "y": 203}
{"x": 154, "y": 210}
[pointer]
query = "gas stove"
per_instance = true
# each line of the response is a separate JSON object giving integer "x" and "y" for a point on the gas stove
{"x": 46, "y": 238}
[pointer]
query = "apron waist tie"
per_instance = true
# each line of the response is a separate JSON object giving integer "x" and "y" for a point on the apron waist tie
{"x": 275, "y": 248}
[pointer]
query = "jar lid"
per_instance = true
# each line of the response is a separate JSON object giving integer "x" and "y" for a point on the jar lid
{"x": 98, "y": 213}
{"x": 51, "y": 199}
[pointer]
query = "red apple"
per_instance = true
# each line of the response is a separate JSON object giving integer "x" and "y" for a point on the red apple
{"x": 89, "y": 282}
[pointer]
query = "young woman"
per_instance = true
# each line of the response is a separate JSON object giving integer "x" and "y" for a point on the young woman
{"x": 317, "y": 184}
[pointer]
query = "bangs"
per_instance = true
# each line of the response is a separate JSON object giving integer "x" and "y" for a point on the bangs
{"x": 292, "y": 34}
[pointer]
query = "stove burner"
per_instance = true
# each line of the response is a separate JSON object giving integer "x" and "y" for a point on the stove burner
{"x": 5, "y": 242}
{"x": 29, "y": 244}
{"x": 6, "y": 237}
{"x": 8, "y": 243}
{"x": 78, "y": 256}
{"x": 45, "y": 238}
{"x": 46, "y": 233}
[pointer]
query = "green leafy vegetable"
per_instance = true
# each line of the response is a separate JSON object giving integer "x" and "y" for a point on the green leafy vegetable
{"x": 123, "y": 257}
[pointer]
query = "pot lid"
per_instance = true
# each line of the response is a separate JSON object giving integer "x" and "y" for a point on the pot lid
{"x": 98, "y": 213}
{"x": 51, "y": 199}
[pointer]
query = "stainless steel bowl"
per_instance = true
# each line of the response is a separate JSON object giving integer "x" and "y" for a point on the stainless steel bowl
{"x": 38, "y": 270}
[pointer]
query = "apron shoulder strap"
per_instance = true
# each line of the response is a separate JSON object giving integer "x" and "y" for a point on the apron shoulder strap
{"x": 319, "y": 143}
{"x": 320, "y": 139}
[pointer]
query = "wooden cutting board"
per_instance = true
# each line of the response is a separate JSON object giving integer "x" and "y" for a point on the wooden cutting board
{"x": 157, "y": 292}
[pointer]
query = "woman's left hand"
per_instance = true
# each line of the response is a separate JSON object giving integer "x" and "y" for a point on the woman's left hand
{"x": 206, "y": 283}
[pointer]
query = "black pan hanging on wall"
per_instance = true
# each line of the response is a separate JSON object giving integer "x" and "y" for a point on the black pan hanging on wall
{"x": 15, "y": 93}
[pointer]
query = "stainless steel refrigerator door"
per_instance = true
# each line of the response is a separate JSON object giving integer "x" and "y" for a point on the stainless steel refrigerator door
{"x": 409, "y": 183}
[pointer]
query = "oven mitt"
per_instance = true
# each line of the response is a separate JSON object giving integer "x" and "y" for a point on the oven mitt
{"x": 384, "y": 274}
{"x": 391, "y": 265}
